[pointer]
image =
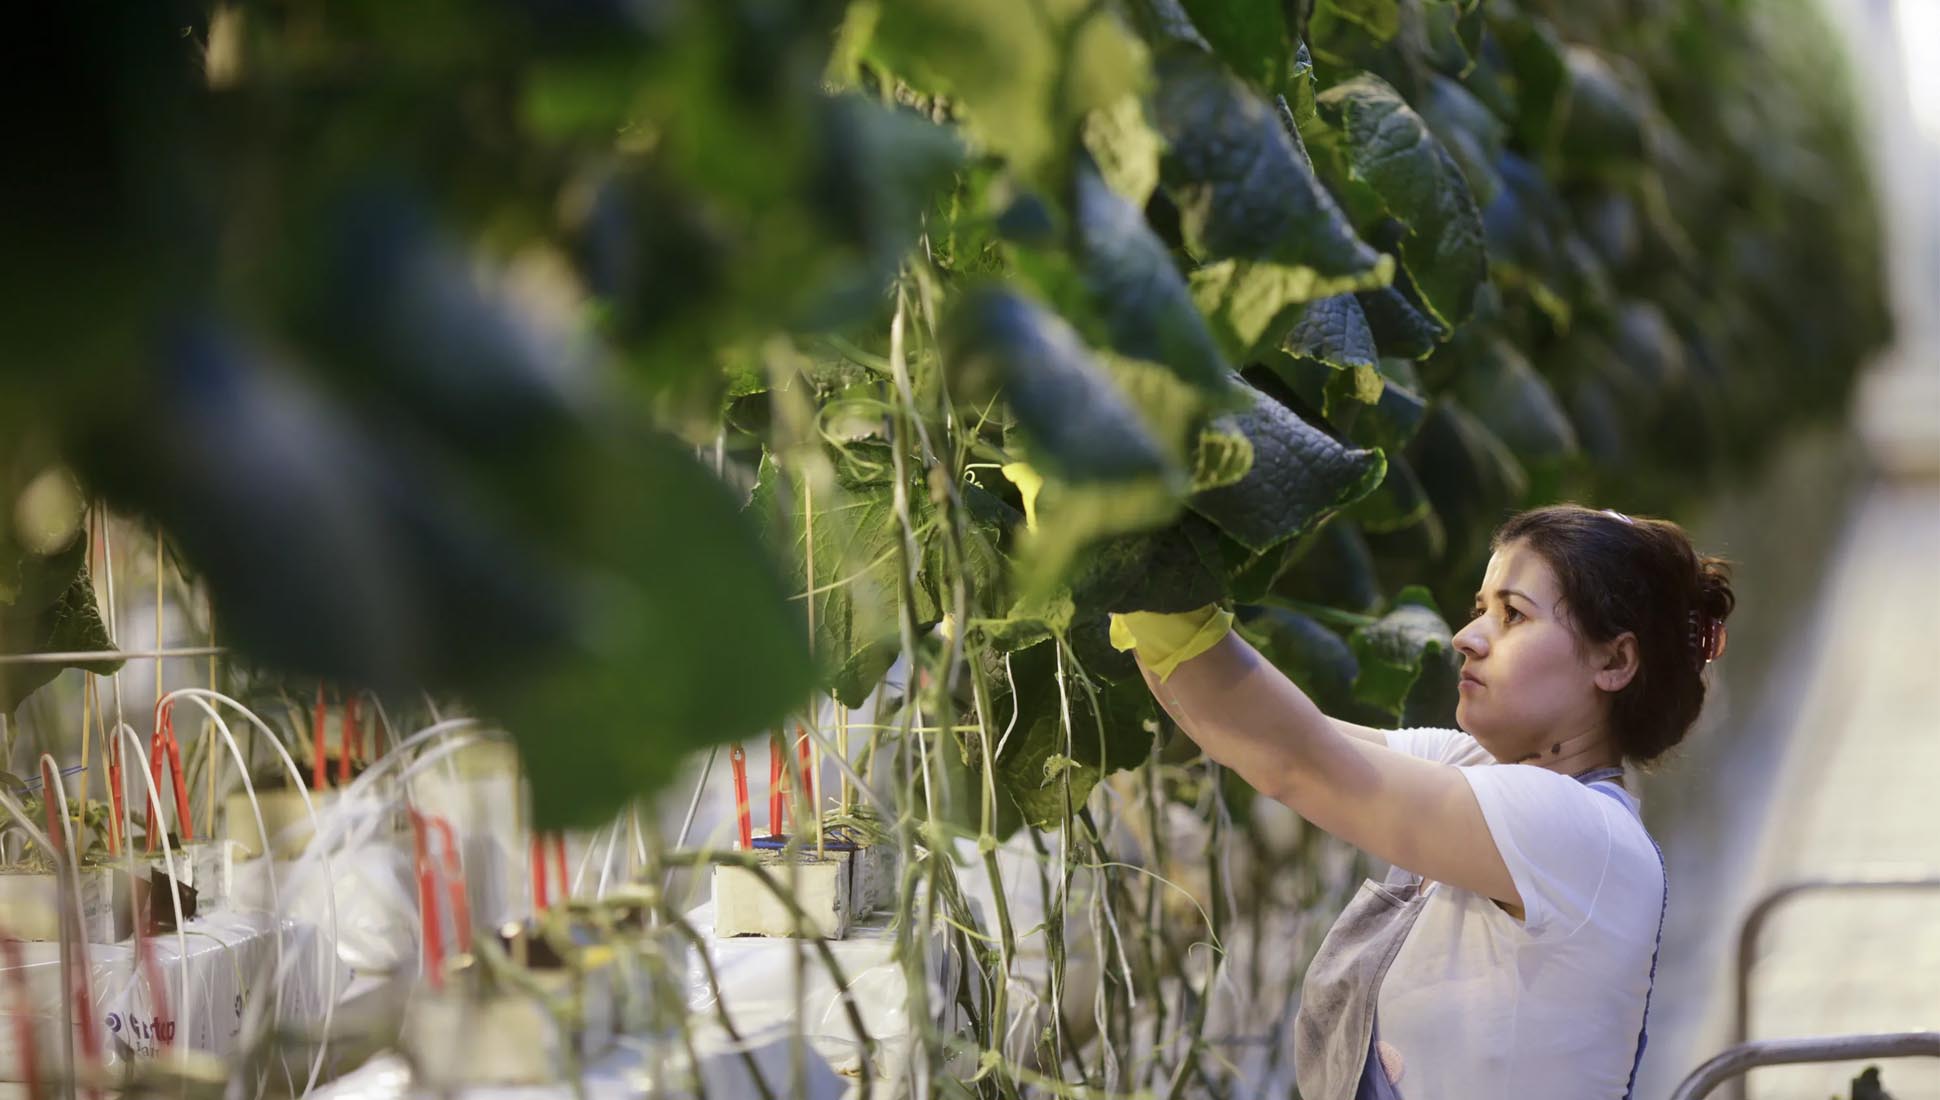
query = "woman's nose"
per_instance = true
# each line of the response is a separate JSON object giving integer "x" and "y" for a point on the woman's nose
{"x": 1470, "y": 642}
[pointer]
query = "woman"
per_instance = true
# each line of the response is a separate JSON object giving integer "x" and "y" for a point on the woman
{"x": 1511, "y": 951}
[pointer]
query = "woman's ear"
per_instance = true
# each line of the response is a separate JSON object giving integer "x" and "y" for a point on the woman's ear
{"x": 1620, "y": 662}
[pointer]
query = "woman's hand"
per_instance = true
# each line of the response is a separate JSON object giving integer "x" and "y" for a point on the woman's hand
{"x": 1164, "y": 640}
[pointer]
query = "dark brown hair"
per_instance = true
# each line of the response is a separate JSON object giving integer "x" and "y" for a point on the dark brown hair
{"x": 1623, "y": 573}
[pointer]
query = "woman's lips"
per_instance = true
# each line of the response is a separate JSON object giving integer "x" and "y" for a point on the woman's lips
{"x": 1468, "y": 681}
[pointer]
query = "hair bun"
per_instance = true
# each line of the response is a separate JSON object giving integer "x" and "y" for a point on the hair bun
{"x": 1714, "y": 596}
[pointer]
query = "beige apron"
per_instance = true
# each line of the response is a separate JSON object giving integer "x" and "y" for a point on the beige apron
{"x": 1336, "y": 1041}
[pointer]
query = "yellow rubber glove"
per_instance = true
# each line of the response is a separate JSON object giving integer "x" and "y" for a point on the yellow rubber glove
{"x": 1166, "y": 640}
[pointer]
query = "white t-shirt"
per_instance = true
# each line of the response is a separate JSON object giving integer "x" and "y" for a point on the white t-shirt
{"x": 1478, "y": 1004}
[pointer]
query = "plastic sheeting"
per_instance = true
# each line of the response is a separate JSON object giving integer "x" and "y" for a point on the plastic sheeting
{"x": 758, "y": 978}
{"x": 231, "y": 956}
{"x": 760, "y": 991}
{"x": 376, "y": 917}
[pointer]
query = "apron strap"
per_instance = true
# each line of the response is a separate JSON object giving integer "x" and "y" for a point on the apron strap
{"x": 1643, "y": 1029}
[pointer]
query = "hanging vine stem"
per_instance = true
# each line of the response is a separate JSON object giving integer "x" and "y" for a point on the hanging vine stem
{"x": 1054, "y": 918}
{"x": 990, "y": 1024}
{"x": 1097, "y": 834}
{"x": 791, "y": 861}
{"x": 1202, "y": 1002}
{"x": 987, "y": 850}
{"x": 915, "y": 963}
{"x": 1113, "y": 944}
{"x": 1156, "y": 942}
{"x": 956, "y": 522}
{"x": 1155, "y": 819}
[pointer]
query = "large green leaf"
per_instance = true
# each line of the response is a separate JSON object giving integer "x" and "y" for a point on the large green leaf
{"x": 1300, "y": 475}
{"x": 1241, "y": 184}
{"x": 1337, "y": 394}
{"x": 1526, "y": 225}
{"x": 1249, "y": 35}
{"x": 1392, "y": 650}
{"x": 1315, "y": 658}
{"x": 1391, "y": 149}
{"x": 678, "y": 600}
{"x": 845, "y": 526}
{"x": 1471, "y": 478}
{"x": 1396, "y": 414}
{"x": 1399, "y": 501}
{"x": 1072, "y": 516}
{"x": 1245, "y": 573}
{"x": 1401, "y": 328}
{"x": 1125, "y": 149}
{"x": 1649, "y": 349}
{"x": 1021, "y": 72}
{"x": 1432, "y": 699}
{"x": 47, "y": 606}
{"x": 1603, "y": 131}
{"x": 1471, "y": 134}
{"x": 1331, "y": 567}
{"x": 1039, "y": 750}
{"x": 882, "y": 169}
{"x": 1328, "y": 359}
{"x": 1453, "y": 31}
{"x": 1254, "y": 305}
{"x": 1149, "y": 571}
{"x": 1135, "y": 288}
{"x": 1538, "y": 73}
{"x": 1335, "y": 332}
{"x": 1515, "y": 403}
{"x": 1079, "y": 425}
{"x": 1379, "y": 19}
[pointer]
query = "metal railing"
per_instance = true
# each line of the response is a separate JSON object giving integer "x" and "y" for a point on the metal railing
{"x": 1864, "y": 880}
{"x": 1739, "y": 1059}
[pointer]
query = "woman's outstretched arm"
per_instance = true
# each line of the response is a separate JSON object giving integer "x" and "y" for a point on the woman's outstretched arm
{"x": 1247, "y": 715}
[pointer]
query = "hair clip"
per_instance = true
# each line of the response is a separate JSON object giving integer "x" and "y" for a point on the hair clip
{"x": 1705, "y": 636}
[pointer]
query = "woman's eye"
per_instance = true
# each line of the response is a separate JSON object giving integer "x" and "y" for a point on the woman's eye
{"x": 1508, "y": 611}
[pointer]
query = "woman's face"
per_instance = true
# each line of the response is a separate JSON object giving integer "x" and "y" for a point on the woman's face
{"x": 1525, "y": 685}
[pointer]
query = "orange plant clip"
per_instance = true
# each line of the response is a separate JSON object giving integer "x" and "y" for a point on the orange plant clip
{"x": 454, "y": 871}
{"x": 352, "y": 737}
{"x": 114, "y": 793}
{"x": 541, "y": 889}
{"x": 163, "y": 747}
{"x": 317, "y": 772}
{"x": 428, "y": 917}
{"x": 540, "y": 902}
{"x": 743, "y": 813}
{"x": 774, "y": 783}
